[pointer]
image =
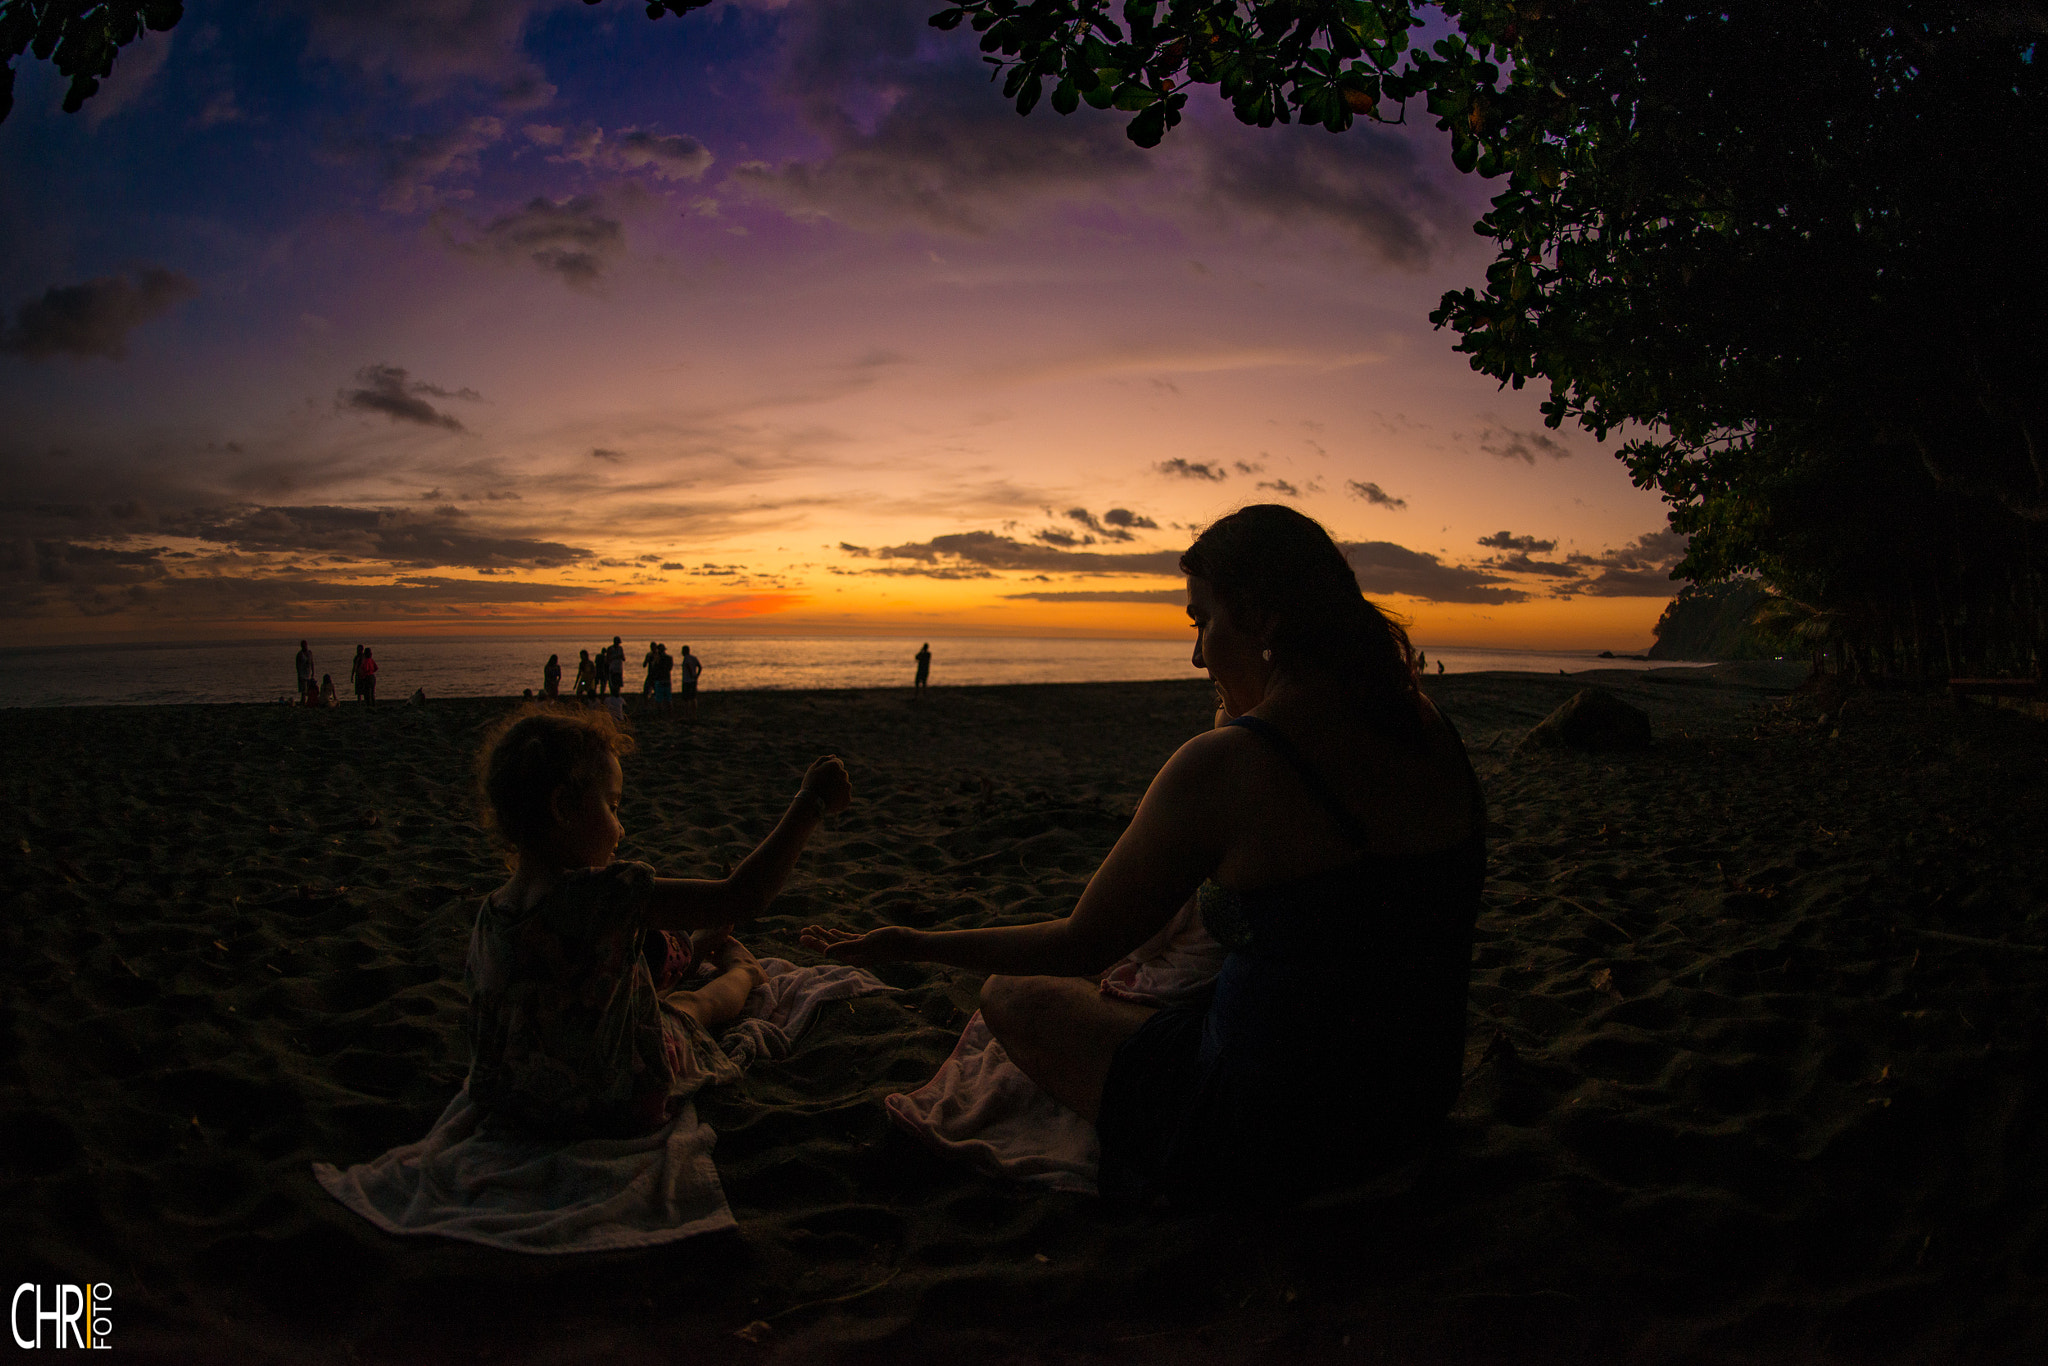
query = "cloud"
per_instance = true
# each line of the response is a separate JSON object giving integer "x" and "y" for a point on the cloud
{"x": 987, "y": 550}
{"x": 413, "y": 161}
{"x": 1383, "y": 567}
{"x": 1108, "y": 532}
{"x": 1191, "y": 469}
{"x": 1506, "y": 443}
{"x": 1522, "y": 564}
{"x": 390, "y": 390}
{"x": 1279, "y": 486}
{"x": 1528, "y": 545}
{"x": 135, "y": 68}
{"x": 400, "y": 537}
{"x": 931, "y": 571}
{"x": 945, "y": 151}
{"x": 1176, "y": 596}
{"x": 1374, "y": 494}
{"x": 603, "y": 453}
{"x": 94, "y": 318}
{"x": 914, "y": 136}
{"x": 1368, "y": 184}
{"x": 1124, "y": 517}
{"x": 1641, "y": 569}
{"x": 669, "y": 156}
{"x": 431, "y": 48}
{"x": 571, "y": 239}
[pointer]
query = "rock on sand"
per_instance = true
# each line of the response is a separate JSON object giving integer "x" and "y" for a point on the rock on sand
{"x": 1594, "y": 719}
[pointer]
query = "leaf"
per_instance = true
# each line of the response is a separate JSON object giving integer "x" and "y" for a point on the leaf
{"x": 1149, "y": 127}
{"x": 1065, "y": 99}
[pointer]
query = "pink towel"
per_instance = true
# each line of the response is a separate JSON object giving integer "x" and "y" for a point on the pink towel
{"x": 982, "y": 1109}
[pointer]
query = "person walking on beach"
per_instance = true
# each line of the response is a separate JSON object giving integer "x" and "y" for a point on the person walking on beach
{"x": 551, "y": 678}
{"x": 303, "y": 662}
{"x": 924, "y": 667}
{"x": 369, "y": 675}
{"x": 693, "y": 669}
{"x": 1334, "y": 833}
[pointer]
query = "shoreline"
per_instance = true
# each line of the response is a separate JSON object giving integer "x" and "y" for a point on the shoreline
{"x": 1777, "y": 675}
{"x": 1753, "y": 1048}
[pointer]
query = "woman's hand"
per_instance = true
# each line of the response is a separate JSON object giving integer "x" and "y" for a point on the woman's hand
{"x": 827, "y": 781}
{"x": 889, "y": 944}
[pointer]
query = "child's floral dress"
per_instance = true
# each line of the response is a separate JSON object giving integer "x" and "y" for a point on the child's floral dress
{"x": 570, "y": 1033}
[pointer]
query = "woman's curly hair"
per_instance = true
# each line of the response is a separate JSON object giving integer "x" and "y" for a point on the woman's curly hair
{"x": 1269, "y": 561}
{"x": 536, "y": 752}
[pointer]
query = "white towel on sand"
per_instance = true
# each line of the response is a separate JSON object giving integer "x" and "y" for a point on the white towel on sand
{"x": 484, "y": 1185}
{"x": 983, "y": 1110}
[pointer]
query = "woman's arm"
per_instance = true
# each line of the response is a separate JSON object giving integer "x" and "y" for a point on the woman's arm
{"x": 695, "y": 904}
{"x": 1174, "y": 841}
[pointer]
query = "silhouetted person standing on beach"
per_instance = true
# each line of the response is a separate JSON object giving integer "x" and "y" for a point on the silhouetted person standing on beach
{"x": 369, "y": 674}
{"x": 551, "y": 677}
{"x": 692, "y": 668}
{"x": 355, "y": 674}
{"x": 303, "y": 661}
{"x": 924, "y": 667}
{"x": 586, "y": 677}
{"x": 662, "y": 671}
{"x": 615, "y": 673}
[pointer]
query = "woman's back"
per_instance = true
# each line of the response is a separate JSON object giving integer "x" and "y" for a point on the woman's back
{"x": 1404, "y": 799}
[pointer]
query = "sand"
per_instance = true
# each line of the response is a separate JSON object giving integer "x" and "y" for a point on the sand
{"x": 1756, "y": 1061}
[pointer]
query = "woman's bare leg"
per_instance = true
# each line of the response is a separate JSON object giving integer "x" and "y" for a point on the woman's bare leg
{"x": 1061, "y": 1032}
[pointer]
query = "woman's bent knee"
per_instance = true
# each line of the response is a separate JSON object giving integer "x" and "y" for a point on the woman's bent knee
{"x": 1013, "y": 1005}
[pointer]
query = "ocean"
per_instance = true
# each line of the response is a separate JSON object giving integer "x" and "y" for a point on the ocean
{"x": 503, "y": 666}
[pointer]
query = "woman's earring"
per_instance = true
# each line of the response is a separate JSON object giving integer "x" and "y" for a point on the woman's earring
{"x": 1267, "y": 654}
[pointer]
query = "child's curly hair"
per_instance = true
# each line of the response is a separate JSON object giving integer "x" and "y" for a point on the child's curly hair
{"x": 533, "y": 754}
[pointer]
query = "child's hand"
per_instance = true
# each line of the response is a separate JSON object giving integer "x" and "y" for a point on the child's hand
{"x": 827, "y": 781}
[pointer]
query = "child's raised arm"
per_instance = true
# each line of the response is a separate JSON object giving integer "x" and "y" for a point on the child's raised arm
{"x": 696, "y": 903}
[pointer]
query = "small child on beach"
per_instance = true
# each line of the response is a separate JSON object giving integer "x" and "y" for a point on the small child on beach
{"x": 584, "y": 1020}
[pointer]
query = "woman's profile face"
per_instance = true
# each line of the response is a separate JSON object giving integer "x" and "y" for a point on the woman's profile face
{"x": 1229, "y": 651}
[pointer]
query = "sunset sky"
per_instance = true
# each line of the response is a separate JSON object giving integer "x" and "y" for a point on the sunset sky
{"x": 492, "y": 314}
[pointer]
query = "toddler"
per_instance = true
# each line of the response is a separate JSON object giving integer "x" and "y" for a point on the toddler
{"x": 579, "y": 1025}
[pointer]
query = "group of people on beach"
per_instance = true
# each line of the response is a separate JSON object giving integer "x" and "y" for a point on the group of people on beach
{"x": 1329, "y": 828}
{"x": 603, "y": 678}
{"x": 362, "y": 678}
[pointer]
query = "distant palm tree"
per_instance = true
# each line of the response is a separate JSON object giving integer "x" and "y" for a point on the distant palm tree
{"x": 1818, "y": 629}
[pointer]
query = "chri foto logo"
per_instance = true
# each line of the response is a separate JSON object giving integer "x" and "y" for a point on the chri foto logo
{"x": 79, "y": 1315}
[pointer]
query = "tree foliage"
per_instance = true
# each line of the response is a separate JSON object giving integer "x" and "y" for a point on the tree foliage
{"x": 82, "y": 37}
{"x": 1791, "y": 252}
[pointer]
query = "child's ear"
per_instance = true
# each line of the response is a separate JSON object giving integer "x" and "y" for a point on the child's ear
{"x": 558, "y": 803}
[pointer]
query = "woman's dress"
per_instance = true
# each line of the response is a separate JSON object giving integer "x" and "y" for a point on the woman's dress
{"x": 1333, "y": 1044}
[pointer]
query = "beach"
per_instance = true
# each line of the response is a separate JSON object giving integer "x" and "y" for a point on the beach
{"x": 1757, "y": 1058}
